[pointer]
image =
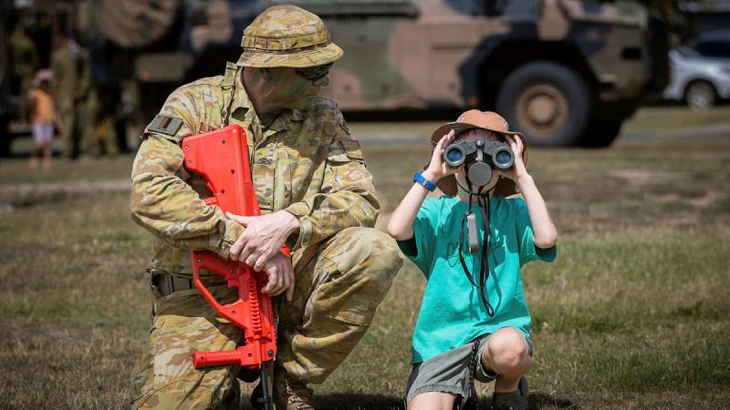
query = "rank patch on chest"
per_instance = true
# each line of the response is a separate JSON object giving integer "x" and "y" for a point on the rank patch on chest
{"x": 165, "y": 125}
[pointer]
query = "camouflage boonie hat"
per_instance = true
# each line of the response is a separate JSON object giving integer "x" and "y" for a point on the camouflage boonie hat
{"x": 287, "y": 36}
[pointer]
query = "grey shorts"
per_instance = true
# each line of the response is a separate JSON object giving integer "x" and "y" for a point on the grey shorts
{"x": 449, "y": 371}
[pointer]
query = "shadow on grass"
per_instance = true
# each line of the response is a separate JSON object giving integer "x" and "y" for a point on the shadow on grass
{"x": 341, "y": 401}
{"x": 536, "y": 402}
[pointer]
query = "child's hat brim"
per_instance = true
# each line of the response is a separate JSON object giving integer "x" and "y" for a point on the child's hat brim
{"x": 486, "y": 120}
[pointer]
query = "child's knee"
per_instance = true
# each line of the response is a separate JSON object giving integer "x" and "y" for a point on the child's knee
{"x": 433, "y": 400}
{"x": 507, "y": 351}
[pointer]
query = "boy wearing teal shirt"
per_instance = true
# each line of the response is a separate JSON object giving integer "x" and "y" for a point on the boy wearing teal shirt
{"x": 474, "y": 321}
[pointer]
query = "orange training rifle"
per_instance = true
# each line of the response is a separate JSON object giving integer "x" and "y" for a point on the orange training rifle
{"x": 221, "y": 157}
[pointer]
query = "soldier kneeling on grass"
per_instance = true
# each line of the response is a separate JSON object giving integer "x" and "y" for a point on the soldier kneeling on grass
{"x": 316, "y": 196}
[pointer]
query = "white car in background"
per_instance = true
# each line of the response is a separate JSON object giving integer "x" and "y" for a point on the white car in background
{"x": 701, "y": 73}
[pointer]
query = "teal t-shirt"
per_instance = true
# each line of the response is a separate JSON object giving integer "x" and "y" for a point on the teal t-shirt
{"x": 452, "y": 313}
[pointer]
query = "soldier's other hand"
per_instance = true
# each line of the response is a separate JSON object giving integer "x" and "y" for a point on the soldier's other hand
{"x": 263, "y": 238}
{"x": 281, "y": 276}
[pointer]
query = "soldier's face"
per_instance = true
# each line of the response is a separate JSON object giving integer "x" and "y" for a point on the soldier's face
{"x": 285, "y": 88}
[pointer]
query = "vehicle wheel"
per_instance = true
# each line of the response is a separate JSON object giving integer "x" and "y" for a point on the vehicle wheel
{"x": 700, "y": 95}
{"x": 601, "y": 133}
{"x": 548, "y": 102}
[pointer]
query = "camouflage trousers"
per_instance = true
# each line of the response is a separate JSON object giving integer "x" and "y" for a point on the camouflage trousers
{"x": 337, "y": 293}
{"x": 68, "y": 135}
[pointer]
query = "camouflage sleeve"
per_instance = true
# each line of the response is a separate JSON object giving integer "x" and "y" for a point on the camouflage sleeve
{"x": 169, "y": 208}
{"x": 163, "y": 203}
{"x": 347, "y": 197}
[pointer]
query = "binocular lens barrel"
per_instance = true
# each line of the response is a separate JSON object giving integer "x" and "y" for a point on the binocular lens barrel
{"x": 454, "y": 155}
{"x": 503, "y": 159}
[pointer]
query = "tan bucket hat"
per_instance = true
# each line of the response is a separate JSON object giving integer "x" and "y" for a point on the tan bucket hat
{"x": 287, "y": 36}
{"x": 486, "y": 120}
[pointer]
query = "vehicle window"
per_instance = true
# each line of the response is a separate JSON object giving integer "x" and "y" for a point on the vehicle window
{"x": 512, "y": 8}
{"x": 714, "y": 49}
{"x": 468, "y": 7}
{"x": 495, "y": 8}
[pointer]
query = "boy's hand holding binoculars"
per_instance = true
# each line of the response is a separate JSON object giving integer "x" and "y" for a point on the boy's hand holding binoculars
{"x": 518, "y": 170}
{"x": 438, "y": 168}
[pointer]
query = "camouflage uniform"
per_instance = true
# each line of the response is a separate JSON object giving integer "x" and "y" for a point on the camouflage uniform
{"x": 100, "y": 134}
{"x": 306, "y": 163}
{"x": 70, "y": 71}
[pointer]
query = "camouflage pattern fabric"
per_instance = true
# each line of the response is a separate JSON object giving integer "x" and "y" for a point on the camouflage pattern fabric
{"x": 306, "y": 43}
{"x": 71, "y": 77}
{"x": 163, "y": 376}
{"x": 100, "y": 134}
{"x": 304, "y": 162}
{"x": 335, "y": 300}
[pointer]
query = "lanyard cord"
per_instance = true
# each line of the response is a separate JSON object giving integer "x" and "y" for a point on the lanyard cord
{"x": 481, "y": 284}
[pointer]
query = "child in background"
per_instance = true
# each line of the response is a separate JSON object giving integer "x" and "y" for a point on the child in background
{"x": 474, "y": 321}
{"x": 43, "y": 116}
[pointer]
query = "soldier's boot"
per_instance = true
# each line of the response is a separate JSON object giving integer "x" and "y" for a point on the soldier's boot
{"x": 291, "y": 394}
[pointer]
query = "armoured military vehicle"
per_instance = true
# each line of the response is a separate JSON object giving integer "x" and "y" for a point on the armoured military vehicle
{"x": 564, "y": 72}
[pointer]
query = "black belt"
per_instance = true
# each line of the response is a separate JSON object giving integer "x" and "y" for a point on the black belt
{"x": 168, "y": 284}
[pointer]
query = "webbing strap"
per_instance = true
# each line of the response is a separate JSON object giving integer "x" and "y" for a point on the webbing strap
{"x": 481, "y": 282}
{"x": 229, "y": 79}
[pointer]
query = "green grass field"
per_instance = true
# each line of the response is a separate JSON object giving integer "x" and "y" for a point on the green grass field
{"x": 632, "y": 315}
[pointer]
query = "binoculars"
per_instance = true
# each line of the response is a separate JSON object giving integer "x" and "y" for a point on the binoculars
{"x": 481, "y": 157}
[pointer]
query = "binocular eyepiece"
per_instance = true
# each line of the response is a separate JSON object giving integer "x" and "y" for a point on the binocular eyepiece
{"x": 481, "y": 157}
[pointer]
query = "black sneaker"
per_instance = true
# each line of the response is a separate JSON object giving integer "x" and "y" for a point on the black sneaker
{"x": 515, "y": 400}
{"x": 471, "y": 402}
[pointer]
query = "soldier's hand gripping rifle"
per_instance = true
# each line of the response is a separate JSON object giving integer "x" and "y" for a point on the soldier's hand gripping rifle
{"x": 221, "y": 157}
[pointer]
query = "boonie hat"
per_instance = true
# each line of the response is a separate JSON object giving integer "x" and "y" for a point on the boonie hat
{"x": 287, "y": 36}
{"x": 41, "y": 75}
{"x": 485, "y": 120}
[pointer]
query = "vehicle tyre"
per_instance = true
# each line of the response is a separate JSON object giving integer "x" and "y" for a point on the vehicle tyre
{"x": 548, "y": 102}
{"x": 700, "y": 95}
{"x": 601, "y": 133}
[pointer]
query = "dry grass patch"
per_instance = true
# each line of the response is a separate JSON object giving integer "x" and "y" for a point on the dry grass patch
{"x": 633, "y": 314}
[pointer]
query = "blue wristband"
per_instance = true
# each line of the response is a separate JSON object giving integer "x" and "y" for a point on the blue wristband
{"x": 418, "y": 177}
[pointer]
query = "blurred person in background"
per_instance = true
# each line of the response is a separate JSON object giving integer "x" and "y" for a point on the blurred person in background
{"x": 25, "y": 64}
{"x": 101, "y": 135}
{"x": 102, "y": 102}
{"x": 70, "y": 66}
{"x": 44, "y": 116}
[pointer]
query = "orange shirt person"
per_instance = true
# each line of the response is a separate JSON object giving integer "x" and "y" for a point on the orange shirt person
{"x": 44, "y": 117}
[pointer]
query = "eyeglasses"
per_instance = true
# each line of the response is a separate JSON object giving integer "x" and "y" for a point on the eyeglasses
{"x": 314, "y": 73}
